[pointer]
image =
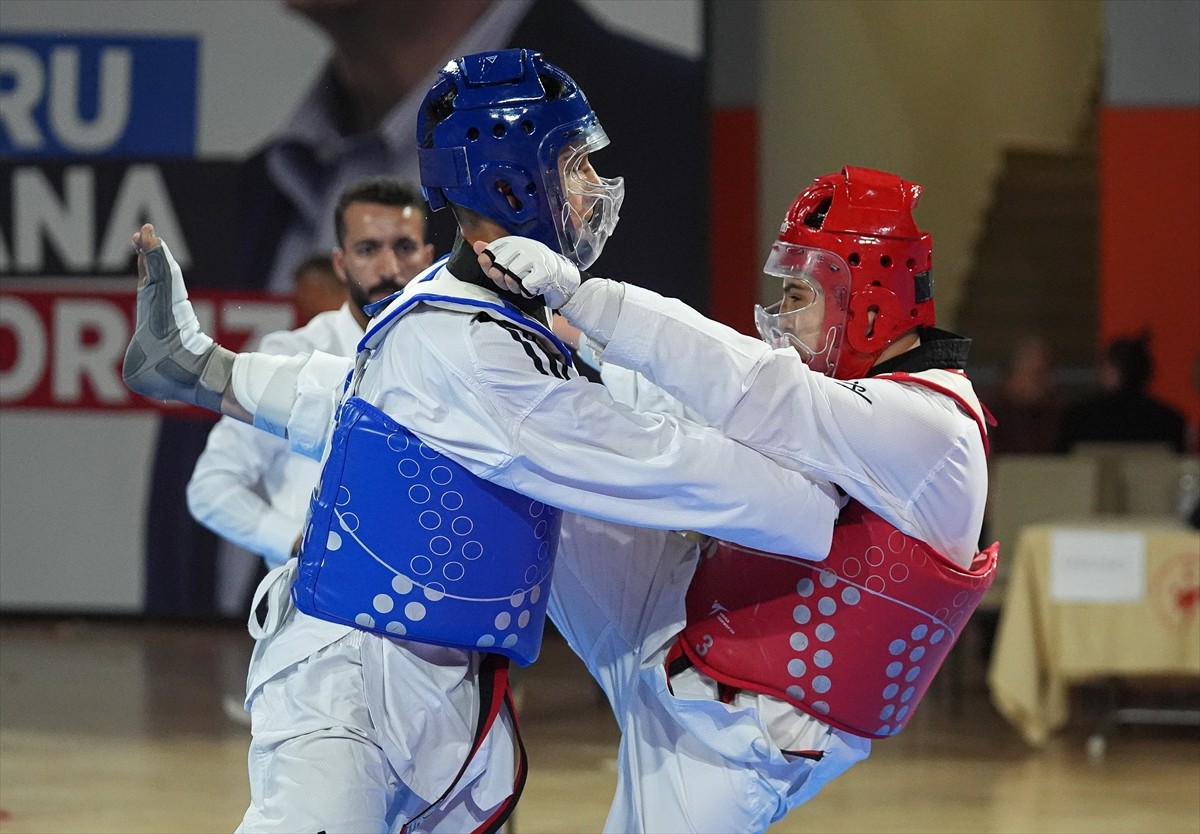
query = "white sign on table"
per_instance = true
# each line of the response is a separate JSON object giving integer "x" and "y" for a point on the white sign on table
{"x": 1097, "y": 566}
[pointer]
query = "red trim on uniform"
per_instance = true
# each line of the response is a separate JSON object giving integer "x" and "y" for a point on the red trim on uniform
{"x": 811, "y": 755}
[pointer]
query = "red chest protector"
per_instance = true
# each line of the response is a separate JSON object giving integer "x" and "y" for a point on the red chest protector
{"x": 854, "y": 640}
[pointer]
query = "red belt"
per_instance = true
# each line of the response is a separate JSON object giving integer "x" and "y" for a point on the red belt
{"x": 494, "y": 691}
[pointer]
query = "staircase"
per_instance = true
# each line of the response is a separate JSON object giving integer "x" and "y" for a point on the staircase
{"x": 1036, "y": 262}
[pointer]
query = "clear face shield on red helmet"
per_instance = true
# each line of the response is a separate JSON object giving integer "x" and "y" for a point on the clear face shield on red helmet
{"x": 811, "y": 316}
{"x": 586, "y": 206}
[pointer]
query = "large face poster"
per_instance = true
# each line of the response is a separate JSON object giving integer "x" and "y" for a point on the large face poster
{"x": 233, "y": 126}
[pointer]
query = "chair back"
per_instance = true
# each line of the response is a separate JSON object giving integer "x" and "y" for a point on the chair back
{"x": 1135, "y": 478}
{"x": 1031, "y": 489}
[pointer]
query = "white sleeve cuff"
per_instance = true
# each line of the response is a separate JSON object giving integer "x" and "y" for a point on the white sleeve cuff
{"x": 291, "y": 396}
{"x": 279, "y": 397}
{"x": 590, "y": 352}
{"x": 595, "y": 308}
{"x": 318, "y": 390}
{"x": 252, "y": 374}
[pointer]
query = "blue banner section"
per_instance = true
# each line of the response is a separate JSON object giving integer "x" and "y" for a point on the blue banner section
{"x": 97, "y": 96}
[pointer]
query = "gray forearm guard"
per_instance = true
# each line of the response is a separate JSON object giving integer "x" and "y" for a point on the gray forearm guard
{"x": 157, "y": 363}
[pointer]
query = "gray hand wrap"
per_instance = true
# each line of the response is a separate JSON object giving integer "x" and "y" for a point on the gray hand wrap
{"x": 169, "y": 358}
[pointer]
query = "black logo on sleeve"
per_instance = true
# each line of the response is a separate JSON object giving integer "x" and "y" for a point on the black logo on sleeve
{"x": 855, "y": 386}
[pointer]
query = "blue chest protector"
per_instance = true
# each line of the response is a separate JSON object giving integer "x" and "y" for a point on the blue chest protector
{"x": 403, "y": 541}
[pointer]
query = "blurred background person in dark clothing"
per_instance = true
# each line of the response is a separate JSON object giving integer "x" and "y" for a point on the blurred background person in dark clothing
{"x": 359, "y": 116}
{"x": 1124, "y": 412}
{"x": 1026, "y": 403}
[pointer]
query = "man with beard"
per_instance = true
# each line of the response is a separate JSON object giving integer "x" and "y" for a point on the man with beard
{"x": 247, "y": 487}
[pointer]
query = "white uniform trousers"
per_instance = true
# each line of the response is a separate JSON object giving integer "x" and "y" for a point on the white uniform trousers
{"x": 684, "y": 764}
{"x": 364, "y": 733}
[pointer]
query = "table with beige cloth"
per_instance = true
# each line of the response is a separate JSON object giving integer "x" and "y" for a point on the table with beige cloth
{"x": 1089, "y": 599}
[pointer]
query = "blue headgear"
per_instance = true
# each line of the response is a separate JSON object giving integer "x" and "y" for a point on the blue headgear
{"x": 507, "y": 134}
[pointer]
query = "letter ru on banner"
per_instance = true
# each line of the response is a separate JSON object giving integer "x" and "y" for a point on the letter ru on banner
{"x": 97, "y": 95}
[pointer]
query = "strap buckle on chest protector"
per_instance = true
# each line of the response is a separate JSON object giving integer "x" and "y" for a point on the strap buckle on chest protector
{"x": 360, "y": 365}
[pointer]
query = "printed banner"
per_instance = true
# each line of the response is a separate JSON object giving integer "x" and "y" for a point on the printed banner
{"x": 62, "y": 348}
{"x": 75, "y": 218}
{"x": 87, "y": 95}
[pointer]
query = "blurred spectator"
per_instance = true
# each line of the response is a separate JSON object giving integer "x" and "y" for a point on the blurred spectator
{"x": 1026, "y": 404}
{"x": 318, "y": 288}
{"x": 1124, "y": 412}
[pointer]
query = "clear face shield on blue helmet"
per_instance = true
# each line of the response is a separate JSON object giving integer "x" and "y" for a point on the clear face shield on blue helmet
{"x": 584, "y": 205}
{"x": 811, "y": 316}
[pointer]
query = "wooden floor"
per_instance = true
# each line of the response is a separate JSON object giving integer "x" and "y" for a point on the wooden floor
{"x": 120, "y": 727}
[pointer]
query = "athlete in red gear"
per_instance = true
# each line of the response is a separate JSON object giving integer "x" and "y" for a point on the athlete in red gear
{"x": 773, "y": 677}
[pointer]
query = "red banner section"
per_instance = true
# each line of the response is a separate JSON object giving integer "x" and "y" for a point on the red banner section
{"x": 1149, "y": 247}
{"x": 734, "y": 253}
{"x": 62, "y": 348}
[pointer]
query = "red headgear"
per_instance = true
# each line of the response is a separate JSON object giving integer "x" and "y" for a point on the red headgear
{"x": 864, "y": 218}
